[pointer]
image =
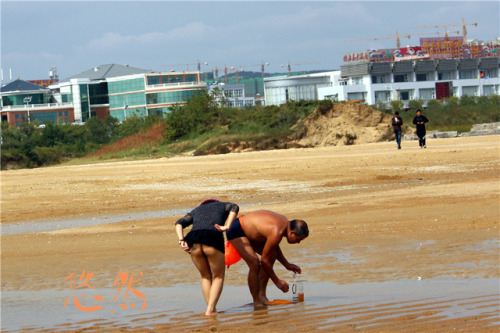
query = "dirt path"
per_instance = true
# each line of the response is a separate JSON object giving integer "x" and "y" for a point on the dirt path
{"x": 376, "y": 214}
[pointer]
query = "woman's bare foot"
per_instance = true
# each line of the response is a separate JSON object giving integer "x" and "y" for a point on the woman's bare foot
{"x": 211, "y": 314}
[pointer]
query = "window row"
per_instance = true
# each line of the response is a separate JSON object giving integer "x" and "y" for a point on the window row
{"x": 126, "y": 86}
{"x": 173, "y": 78}
{"x": 121, "y": 101}
{"x": 430, "y": 76}
{"x": 169, "y": 97}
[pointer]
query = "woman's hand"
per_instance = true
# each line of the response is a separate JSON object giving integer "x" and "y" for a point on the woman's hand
{"x": 221, "y": 228}
{"x": 184, "y": 246}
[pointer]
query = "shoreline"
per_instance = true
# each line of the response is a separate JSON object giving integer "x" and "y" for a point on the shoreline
{"x": 377, "y": 216}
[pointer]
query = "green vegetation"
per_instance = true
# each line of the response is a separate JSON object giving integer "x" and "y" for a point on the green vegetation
{"x": 202, "y": 127}
{"x": 453, "y": 114}
{"x": 199, "y": 126}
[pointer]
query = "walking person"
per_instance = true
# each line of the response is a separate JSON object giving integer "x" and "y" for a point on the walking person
{"x": 420, "y": 121}
{"x": 397, "y": 123}
{"x": 205, "y": 244}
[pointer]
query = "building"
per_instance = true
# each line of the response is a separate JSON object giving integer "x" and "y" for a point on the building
{"x": 438, "y": 68}
{"x": 24, "y": 101}
{"x": 119, "y": 91}
{"x": 282, "y": 89}
{"x": 233, "y": 95}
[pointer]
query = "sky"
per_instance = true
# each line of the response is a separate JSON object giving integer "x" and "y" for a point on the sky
{"x": 161, "y": 36}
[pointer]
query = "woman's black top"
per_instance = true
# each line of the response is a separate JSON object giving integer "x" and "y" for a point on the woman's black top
{"x": 203, "y": 218}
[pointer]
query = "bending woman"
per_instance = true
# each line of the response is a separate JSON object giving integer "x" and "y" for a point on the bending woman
{"x": 205, "y": 244}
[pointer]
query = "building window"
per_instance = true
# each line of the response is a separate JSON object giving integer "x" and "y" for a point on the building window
{"x": 382, "y": 96}
{"x": 379, "y": 79}
{"x": 464, "y": 75}
{"x": 357, "y": 80}
{"x": 446, "y": 76}
{"x": 488, "y": 73}
{"x": 422, "y": 77}
{"x": 153, "y": 80}
{"x": 426, "y": 94}
{"x": 469, "y": 91}
{"x": 355, "y": 96}
{"x": 404, "y": 95}
{"x": 400, "y": 77}
{"x": 488, "y": 90}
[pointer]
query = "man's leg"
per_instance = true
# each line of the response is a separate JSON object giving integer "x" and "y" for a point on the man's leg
{"x": 244, "y": 248}
{"x": 263, "y": 276}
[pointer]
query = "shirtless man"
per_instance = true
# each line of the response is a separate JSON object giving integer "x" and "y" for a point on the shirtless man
{"x": 261, "y": 232}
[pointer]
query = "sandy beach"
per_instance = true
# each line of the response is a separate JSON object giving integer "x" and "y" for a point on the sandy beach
{"x": 401, "y": 240}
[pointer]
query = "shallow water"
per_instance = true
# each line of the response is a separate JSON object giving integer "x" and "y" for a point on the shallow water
{"x": 23, "y": 310}
{"x": 32, "y": 227}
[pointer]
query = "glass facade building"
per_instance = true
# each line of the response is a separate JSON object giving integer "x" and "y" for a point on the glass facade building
{"x": 119, "y": 91}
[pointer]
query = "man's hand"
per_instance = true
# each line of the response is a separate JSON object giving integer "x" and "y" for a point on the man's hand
{"x": 282, "y": 285}
{"x": 294, "y": 268}
{"x": 221, "y": 228}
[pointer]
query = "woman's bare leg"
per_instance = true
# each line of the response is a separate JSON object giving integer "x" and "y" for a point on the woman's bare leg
{"x": 201, "y": 263}
{"x": 218, "y": 268}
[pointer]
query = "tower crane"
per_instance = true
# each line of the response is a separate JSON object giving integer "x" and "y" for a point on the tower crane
{"x": 463, "y": 25}
{"x": 262, "y": 66}
{"x": 226, "y": 70}
{"x": 397, "y": 37}
{"x": 289, "y": 66}
{"x": 187, "y": 65}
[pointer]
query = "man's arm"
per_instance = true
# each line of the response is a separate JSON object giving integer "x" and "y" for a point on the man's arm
{"x": 269, "y": 255}
{"x": 291, "y": 267}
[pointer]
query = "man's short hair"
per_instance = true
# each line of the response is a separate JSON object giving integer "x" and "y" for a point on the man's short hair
{"x": 299, "y": 227}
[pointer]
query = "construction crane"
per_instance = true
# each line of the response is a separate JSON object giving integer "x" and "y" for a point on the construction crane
{"x": 289, "y": 66}
{"x": 187, "y": 65}
{"x": 262, "y": 66}
{"x": 397, "y": 37}
{"x": 463, "y": 25}
{"x": 227, "y": 70}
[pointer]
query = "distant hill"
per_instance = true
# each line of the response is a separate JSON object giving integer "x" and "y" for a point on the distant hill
{"x": 257, "y": 75}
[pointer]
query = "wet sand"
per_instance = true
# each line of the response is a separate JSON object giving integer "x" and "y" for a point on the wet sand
{"x": 401, "y": 240}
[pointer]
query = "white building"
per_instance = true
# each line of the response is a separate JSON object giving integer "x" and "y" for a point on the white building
{"x": 281, "y": 89}
{"x": 414, "y": 79}
{"x": 234, "y": 95}
{"x": 438, "y": 68}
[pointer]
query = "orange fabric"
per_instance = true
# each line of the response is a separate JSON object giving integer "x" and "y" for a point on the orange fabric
{"x": 241, "y": 222}
{"x": 280, "y": 301}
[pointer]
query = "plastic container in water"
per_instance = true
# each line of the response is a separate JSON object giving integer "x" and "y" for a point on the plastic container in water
{"x": 297, "y": 289}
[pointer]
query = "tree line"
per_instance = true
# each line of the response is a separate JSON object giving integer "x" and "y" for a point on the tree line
{"x": 204, "y": 117}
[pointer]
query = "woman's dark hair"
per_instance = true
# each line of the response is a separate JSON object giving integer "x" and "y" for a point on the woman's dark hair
{"x": 207, "y": 201}
{"x": 299, "y": 227}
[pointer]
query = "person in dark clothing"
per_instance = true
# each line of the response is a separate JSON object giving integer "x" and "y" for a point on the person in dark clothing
{"x": 397, "y": 123}
{"x": 205, "y": 244}
{"x": 420, "y": 121}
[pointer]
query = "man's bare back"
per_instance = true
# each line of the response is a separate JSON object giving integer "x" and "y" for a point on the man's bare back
{"x": 261, "y": 232}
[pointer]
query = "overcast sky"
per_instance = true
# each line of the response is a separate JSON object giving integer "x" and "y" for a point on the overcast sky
{"x": 75, "y": 36}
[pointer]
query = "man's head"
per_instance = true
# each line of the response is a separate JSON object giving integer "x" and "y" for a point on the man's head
{"x": 396, "y": 113}
{"x": 419, "y": 112}
{"x": 297, "y": 231}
